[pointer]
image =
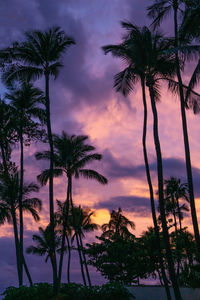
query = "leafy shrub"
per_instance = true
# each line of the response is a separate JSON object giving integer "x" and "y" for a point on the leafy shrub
{"x": 114, "y": 291}
{"x": 39, "y": 291}
{"x": 72, "y": 291}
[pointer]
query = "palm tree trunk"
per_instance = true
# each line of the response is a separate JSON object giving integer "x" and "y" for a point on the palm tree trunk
{"x": 76, "y": 233}
{"x": 177, "y": 242}
{"x": 4, "y": 160}
{"x": 69, "y": 259}
{"x": 153, "y": 210}
{"x": 160, "y": 277}
{"x": 15, "y": 226}
{"x": 51, "y": 204}
{"x": 20, "y": 204}
{"x": 179, "y": 215}
{"x": 186, "y": 141}
{"x": 85, "y": 261}
{"x": 63, "y": 236}
{"x": 27, "y": 272}
{"x": 161, "y": 198}
{"x": 16, "y": 241}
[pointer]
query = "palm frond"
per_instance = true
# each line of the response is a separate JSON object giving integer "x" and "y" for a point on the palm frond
{"x": 44, "y": 176}
{"x": 45, "y": 155}
{"x": 91, "y": 174}
{"x": 125, "y": 80}
{"x": 20, "y": 73}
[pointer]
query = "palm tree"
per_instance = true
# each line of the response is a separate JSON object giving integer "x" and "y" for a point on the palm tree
{"x": 158, "y": 11}
{"x": 84, "y": 223}
{"x": 71, "y": 155}
{"x": 40, "y": 55}
{"x": 9, "y": 207}
{"x": 144, "y": 54}
{"x": 25, "y": 102}
{"x": 118, "y": 225}
{"x": 174, "y": 191}
{"x": 43, "y": 244}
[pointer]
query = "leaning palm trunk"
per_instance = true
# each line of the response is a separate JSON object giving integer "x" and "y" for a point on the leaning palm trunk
{"x": 27, "y": 271}
{"x": 76, "y": 232}
{"x": 179, "y": 214}
{"x": 165, "y": 280}
{"x": 186, "y": 141}
{"x": 51, "y": 204}
{"x": 17, "y": 247}
{"x": 65, "y": 221}
{"x": 20, "y": 205}
{"x": 17, "y": 250}
{"x": 69, "y": 259}
{"x": 4, "y": 159}
{"x": 85, "y": 261}
{"x": 16, "y": 242}
{"x": 161, "y": 198}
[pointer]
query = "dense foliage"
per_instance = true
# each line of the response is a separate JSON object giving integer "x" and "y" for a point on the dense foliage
{"x": 73, "y": 291}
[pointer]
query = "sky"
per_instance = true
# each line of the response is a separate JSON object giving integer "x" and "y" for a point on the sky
{"x": 84, "y": 102}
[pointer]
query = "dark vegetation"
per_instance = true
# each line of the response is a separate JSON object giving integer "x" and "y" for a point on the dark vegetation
{"x": 167, "y": 251}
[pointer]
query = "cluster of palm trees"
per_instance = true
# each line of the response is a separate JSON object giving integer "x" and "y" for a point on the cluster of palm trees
{"x": 25, "y": 112}
{"x": 150, "y": 60}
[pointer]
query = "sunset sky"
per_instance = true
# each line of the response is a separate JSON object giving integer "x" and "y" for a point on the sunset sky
{"x": 84, "y": 102}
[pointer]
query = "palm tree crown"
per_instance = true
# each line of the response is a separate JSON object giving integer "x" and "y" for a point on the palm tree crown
{"x": 71, "y": 154}
{"x": 118, "y": 225}
{"x": 146, "y": 56}
{"x": 39, "y": 55}
{"x": 9, "y": 198}
{"x": 43, "y": 243}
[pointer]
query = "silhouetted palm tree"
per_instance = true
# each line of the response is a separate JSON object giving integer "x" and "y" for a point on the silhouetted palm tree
{"x": 174, "y": 192}
{"x": 71, "y": 155}
{"x": 118, "y": 225}
{"x": 144, "y": 53}
{"x": 9, "y": 207}
{"x": 25, "y": 102}
{"x": 40, "y": 55}
{"x": 158, "y": 11}
{"x": 43, "y": 244}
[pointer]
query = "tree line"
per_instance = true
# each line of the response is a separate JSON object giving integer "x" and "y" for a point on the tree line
{"x": 151, "y": 59}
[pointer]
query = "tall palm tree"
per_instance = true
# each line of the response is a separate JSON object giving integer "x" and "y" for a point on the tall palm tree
{"x": 144, "y": 54}
{"x": 43, "y": 244}
{"x": 9, "y": 207}
{"x": 158, "y": 11}
{"x": 25, "y": 102}
{"x": 40, "y": 55}
{"x": 84, "y": 223}
{"x": 71, "y": 155}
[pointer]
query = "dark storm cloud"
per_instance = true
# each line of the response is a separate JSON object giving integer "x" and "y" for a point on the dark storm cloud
{"x": 171, "y": 167}
{"x": 115, "y": 168}
{"x": 138, "y": 205}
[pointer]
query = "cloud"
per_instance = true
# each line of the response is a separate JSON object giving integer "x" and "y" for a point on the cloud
{"x": 138, "y": 205}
